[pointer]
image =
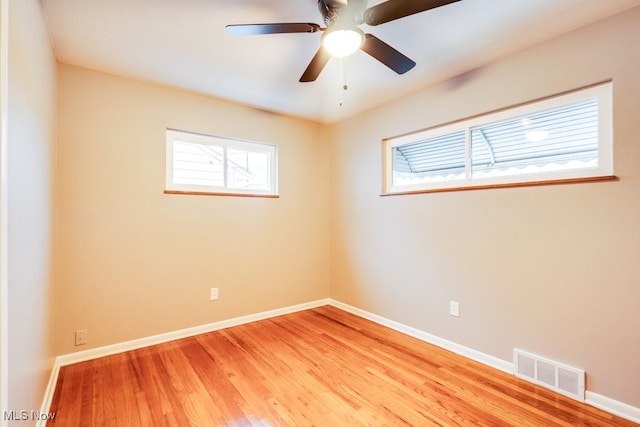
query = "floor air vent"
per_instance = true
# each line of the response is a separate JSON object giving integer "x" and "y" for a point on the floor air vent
{"x": 558, "y": 377}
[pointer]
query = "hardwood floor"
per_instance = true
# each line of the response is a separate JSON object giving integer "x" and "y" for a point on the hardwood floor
{"x": 320, "y": 367}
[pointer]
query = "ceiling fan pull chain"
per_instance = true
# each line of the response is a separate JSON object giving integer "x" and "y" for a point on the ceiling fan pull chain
{"x": 343, "y": 72}
{"x": 343, "y": 80}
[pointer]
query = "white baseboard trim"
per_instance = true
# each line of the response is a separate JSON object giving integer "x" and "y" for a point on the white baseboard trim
{"x": 108, "y": 350}
{"x": 607, "y": 404}
{"x": 48, "y": 393}
{"x": 467, "y": 352}
{"x": 612, "y": 406}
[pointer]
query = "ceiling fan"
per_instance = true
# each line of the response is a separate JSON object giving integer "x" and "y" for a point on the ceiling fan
{"x": 342, "y": 36}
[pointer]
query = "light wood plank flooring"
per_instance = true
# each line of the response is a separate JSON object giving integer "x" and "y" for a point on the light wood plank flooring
{"x": 320, "y": 367}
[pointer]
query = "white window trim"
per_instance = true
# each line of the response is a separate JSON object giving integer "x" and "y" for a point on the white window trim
{"x": 605, "y": 146}
{"x": 224, "y": 142}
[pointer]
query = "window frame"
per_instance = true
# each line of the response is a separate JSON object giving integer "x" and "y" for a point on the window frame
{"x": 176, "y": 135}
{"x": 604, "y": 170}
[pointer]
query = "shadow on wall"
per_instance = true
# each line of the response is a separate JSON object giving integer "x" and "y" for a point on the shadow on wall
{"x": 462, "y": 79}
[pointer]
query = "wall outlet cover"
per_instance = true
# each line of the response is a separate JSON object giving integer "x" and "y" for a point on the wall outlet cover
{"x": 81, "y": 337}
{"x": 454, "y": 308}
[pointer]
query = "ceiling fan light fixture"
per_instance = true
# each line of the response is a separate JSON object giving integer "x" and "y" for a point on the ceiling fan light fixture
{"x": 343, "y": 42}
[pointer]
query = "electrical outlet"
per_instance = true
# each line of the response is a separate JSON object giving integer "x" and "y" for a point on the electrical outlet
{"x": 81, "y": 337}
{"x": 213, "y": 294}
{"x": 454, "y": 308}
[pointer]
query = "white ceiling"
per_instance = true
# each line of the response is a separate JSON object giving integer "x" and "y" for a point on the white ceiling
{"x": 184, "y": 43}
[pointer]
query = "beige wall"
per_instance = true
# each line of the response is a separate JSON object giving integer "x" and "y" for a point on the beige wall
{"x": 134, "y": 262}
{"x": 553, "y": 270}
{"x": 30, "y": 126}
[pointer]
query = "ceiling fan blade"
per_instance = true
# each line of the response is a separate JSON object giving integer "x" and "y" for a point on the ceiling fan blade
{"x": 276, "y": 28}
{"x": 316, "y": 65}
{"x": 386, "y": 54}
{"x": 394, "y": 9}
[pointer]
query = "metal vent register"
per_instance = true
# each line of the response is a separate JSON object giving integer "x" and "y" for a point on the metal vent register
{"x": 556, "y": 376}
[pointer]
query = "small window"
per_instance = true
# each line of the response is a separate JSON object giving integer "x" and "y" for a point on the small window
{"x": 564, "y": 138}
{"x": 206, "y": 164}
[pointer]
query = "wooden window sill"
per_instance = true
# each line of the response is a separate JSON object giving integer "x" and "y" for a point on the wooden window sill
{"x": 507, "y": 185}
{"x": 207, "y": 193}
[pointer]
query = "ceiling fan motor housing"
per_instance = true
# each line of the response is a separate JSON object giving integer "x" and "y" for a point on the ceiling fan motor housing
{"x": 336, "y": 11}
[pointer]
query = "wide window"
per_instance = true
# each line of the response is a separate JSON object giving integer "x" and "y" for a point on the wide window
{"x": 564, "y": 138}
{"x": 208, "y": 164}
